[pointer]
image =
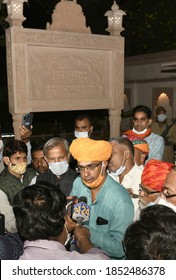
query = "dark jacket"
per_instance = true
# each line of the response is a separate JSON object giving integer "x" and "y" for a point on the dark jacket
{"x": 65, "y": 181}
{"x": 10, "y": 184}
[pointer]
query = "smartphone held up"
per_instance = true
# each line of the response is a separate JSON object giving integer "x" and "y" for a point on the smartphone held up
{"x": 27, "y": 120}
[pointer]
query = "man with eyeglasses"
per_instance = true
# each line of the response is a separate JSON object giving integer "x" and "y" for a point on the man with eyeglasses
{"x": 152, "y": 181}
{"x": 168, "y": 196}
{"x": 111, "y": 208}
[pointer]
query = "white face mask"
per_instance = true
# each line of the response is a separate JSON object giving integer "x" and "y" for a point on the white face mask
{"x": 83, "y": 134}
{"x": 162, "y": 117}
{"x": 139, "y": 132}
{"x": 58, "y": 168}
{"x": 164, "y": 202}
{"x": 118, "y": 171}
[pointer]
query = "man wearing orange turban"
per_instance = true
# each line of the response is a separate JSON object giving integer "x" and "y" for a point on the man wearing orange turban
{"x": 111, "y": 208}
{"x": 152, "y": 181}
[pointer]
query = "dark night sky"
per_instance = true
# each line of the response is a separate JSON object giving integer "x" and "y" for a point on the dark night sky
{"x": 149, "y": 25}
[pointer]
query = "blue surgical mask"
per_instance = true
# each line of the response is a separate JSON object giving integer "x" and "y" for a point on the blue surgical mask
{"x": 59, "y": 168}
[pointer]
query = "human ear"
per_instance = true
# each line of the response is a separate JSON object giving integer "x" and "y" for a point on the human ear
{"x": 6, "y": 160}
{"x": 150, "y": 122}
{"x": 126, "y": 154}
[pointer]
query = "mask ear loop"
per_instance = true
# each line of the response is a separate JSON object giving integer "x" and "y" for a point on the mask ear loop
{"x": 102, "y": 166}
{"x": 124, "y": 159}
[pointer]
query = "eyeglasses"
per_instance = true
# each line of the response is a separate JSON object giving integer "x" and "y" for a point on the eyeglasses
{"x": 167, "y": 195}
{"x": 142, "y": 189}
{"x": 89, "y": 167}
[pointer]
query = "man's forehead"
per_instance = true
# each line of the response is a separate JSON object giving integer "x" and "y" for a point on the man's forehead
{"x": 38, "y": 152}
{"x": 19, "y": 154}
{"x": 140, "y": 115}
{"x": 59, "y": 147}
{"x": 82, "y": 122}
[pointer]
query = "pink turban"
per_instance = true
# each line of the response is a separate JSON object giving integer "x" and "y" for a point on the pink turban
{"x": 154, "y": 174}
{"x": 86, "y": 149}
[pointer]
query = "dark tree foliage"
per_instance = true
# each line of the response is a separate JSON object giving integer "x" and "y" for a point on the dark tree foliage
{"x": 149, "y": 24}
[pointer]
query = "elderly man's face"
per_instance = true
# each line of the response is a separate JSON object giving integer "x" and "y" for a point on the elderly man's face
{"x": 169, "y": 192}
{"x": 117, "y": 157}
{"x": 57, "y": 154}
{"x": 90, "y": 170}
{"x": 147, "y": 195}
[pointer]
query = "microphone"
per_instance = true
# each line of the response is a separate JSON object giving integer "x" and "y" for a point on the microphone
{"x": 81, "y": 211}
{"x": 71, "y": 200}
{"x": 2, "y": 224}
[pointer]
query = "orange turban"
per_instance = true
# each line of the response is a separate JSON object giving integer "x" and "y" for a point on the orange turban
{"x": 86, "y": 149}
{"x": 141, "y": 144}
{"x": 154, "y": 174}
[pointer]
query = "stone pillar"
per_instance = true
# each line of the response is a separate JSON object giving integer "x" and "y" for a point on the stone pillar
{"x": 17, "y": 120}
{"x": 114, "y": 119}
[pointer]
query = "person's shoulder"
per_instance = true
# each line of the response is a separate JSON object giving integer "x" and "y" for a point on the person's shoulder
{"x": 11, "y": 246}
{"x": 3, "y": 195}
{"x": 155, "y": 136}
{"x": 78, "y": 180}
{"x": 72, "y": 172}
{"x": 30, "y": 170}
{"x": 114, "y": 186}
{"x": 4, "y": 175}
{"x": 116, "y": 193}
{"x": 47, "y": 173}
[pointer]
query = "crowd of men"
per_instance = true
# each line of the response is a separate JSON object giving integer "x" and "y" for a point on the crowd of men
{"x": 85, "y": 199}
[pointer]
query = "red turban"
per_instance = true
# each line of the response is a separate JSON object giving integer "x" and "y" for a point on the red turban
{"x": 86, "y": 149}
{"x": 154, "y": 174}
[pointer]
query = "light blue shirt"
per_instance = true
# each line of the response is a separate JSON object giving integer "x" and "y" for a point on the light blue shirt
{"x": 156, "y": 146}
{"x": 113, "y": 203}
